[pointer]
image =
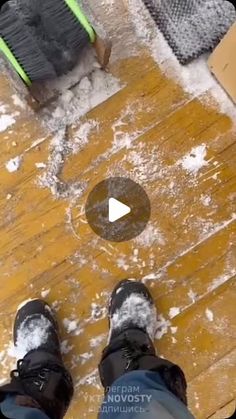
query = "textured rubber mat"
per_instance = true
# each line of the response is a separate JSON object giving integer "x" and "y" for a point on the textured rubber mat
{"x": 192, "y": 27}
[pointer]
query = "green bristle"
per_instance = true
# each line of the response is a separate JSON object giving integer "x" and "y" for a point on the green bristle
{"x": 65, "y": 21}
{"x": 22, "y": 50}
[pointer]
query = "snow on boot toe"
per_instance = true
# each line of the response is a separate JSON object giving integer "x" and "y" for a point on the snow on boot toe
{"x": 35, "y": 327}
{"x": 131, "y": 306}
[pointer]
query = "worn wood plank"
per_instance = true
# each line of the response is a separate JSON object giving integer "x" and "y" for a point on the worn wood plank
{"x": 226, "y": 411}
{"x": 204, "y": 403}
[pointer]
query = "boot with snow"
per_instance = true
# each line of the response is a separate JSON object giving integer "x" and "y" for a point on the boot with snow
{"x": 40, "y": 379}
{"x": 132, "y": 321}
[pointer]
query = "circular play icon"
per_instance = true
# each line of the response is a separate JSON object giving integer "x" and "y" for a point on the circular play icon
{"x": 118, "y": 209}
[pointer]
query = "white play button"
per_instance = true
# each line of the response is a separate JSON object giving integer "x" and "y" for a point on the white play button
{"x": 117, "y": 210}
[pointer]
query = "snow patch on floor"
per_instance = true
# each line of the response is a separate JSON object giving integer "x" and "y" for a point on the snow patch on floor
{"x": 209, "y": 228}
{"x": 81, "y": 136}
{"x": 173, "y": 330}
{"x": 209, "y": 315}
{"x": 66, "y": 348}
{"x": 147, "y": 166}
{"x": 205, "y": 200}
{"x": 192, "y": 296}
{"x": 72, "y": 326}
{"x": 91, "y": 379}
{"x": 45, "y": 293}
{"x": 173, "y": 312}
{"x": 81, "y": 90}
{"x": 150, "y": 236}
{"x": 2, "y": 355}
{"x": 6, "y": 121}
{"x": 18, "y": 102}
{"x": 40, "y": 165}
{"x": 162, "y": 327}
{"x": 221, "y": 279}
{"x": 97, "y": 341}
{"x": 98, "y": 312}
{"x": 86, "y": 357}
{"x": 122, "y": 263}
{"x": 194, "y": 160}
{"x": 60, "y": 148}
{"x": 50, "y": 178}
{"x": 13, "y": 165}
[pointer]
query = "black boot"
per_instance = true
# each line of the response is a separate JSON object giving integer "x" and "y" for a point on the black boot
{"x": 132, "y": 321}
{"x": 40, "y": 379}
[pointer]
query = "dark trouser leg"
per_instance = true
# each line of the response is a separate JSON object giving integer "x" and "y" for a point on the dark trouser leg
{"x": 133, "y": 350}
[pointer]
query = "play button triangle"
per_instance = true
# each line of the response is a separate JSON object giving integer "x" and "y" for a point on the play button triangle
{"x": 117, "y": 210}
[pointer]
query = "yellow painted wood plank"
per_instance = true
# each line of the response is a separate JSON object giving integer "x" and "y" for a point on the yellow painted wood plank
{"x": 205, "y": 332}
{"x": 132, "y": 68}
{"x": 214, "y": 387}
{"x": 177, "y": 290}
{"x": 225, "y": 412}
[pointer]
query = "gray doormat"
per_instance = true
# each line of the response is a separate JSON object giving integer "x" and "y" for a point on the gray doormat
{"x": 192, "y": 27}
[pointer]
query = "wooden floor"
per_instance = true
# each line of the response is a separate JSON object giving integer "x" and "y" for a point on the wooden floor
{"x": 187, "y": 256}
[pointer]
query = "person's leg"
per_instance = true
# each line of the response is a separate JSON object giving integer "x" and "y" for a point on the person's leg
{"x": 137, "y": 382}
{"x": 40, "y": 386}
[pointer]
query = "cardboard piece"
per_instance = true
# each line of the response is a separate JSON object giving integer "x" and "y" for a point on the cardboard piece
{"x": 222, "y": 62}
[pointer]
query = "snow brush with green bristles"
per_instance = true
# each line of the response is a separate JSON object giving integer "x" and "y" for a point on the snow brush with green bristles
{"x": 44, "y": 39}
